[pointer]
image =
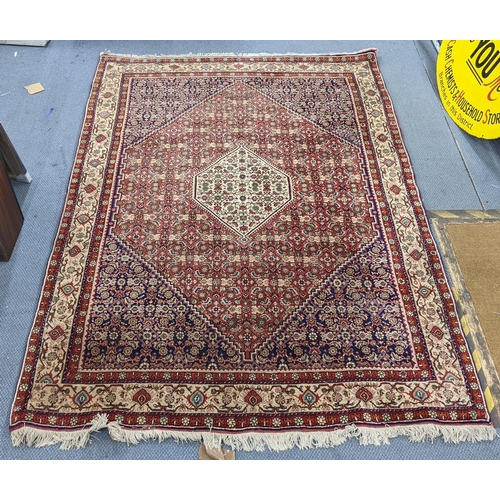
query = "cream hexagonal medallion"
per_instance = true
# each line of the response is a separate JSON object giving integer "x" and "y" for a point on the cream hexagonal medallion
{"x": 242, "y": 190}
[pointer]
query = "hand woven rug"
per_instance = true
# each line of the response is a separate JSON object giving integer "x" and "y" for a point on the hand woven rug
{"x": 244, "y": 259}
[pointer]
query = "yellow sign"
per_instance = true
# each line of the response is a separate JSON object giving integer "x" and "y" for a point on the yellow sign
{"x": 468, "y": 77}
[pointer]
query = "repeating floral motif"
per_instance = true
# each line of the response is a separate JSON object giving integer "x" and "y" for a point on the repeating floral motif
{"x": 154, "y": 102}
{"x": 244, "y": 247}
{"x": 246, "y": 286}
{"x": 324, "y": 101}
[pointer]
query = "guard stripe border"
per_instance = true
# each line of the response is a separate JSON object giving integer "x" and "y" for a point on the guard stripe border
{"x": 485, "y": 367}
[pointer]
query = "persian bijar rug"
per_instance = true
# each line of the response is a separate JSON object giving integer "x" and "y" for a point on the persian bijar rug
{"x": 244, "y": 258}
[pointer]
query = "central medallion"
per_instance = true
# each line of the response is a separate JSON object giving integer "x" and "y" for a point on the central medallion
{"x": 242, "y": 190}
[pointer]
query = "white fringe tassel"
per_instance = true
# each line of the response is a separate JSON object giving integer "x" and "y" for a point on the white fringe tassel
{"x": 256, "y": 441}
{"x": 68, "y": 439}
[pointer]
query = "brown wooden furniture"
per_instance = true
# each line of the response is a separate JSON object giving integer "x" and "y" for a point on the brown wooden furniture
{"x": 11, "y": 159}
{"x": 11, "y": 217}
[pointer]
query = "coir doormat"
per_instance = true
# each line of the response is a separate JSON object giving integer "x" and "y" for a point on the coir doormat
{"x": 477, "y": 247}
{"x": 244, "y": 259}
{"x": 469, "y": 242}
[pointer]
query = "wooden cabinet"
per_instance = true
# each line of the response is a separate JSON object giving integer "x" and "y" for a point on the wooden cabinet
{"x": 11, "y": 217}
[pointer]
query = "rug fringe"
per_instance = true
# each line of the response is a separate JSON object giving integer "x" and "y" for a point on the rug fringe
{"x": 31, "y": 436}
{"x": 255, "y": 441}
{"x": 238, "y": 54}
{"x": 132, "y": 436}
{"x": 426, "y": 432}
{"x": 365, "y": 436}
